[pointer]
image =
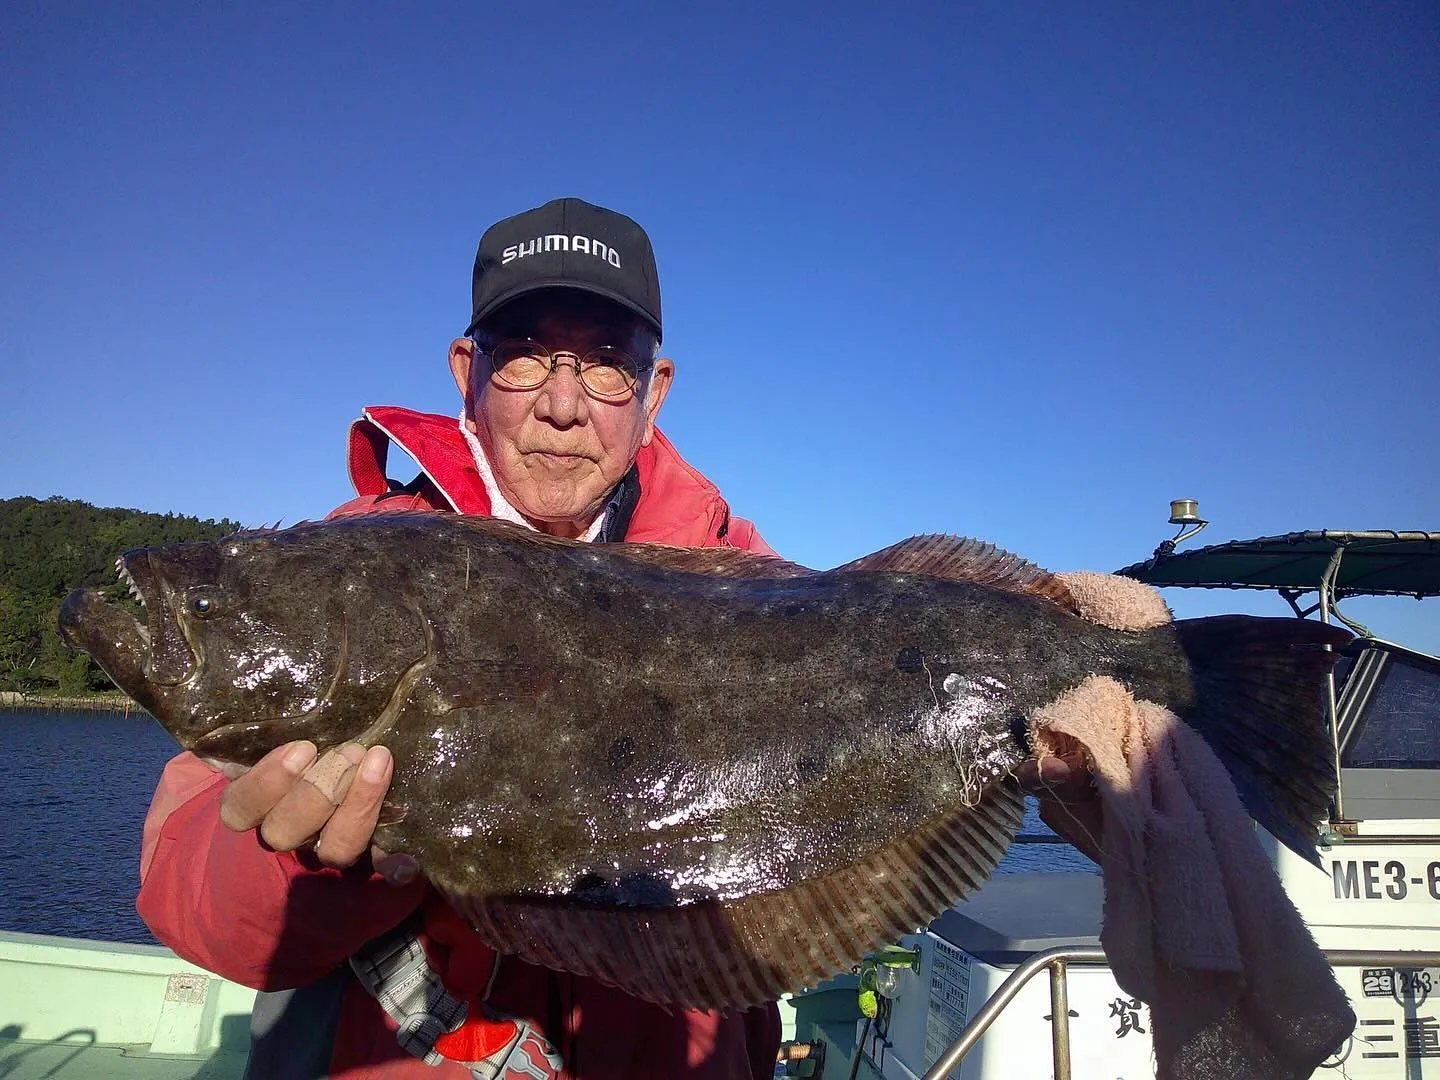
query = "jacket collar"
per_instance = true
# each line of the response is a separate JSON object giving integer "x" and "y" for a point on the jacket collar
{"x": 677, "y": 504}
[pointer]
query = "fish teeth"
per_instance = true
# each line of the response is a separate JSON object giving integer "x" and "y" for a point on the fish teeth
{"x": 124, "y": 575}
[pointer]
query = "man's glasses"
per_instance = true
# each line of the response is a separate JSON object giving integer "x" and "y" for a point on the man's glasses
{"x": 606, "y": 373}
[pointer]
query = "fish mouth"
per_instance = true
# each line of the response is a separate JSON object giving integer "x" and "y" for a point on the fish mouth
{"x": 136, "y": 655}
{"x": 115, "y": 639}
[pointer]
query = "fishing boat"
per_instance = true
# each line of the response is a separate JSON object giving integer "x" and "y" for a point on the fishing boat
{"x": 1010, "y": 983}
{"x": 73, "y": 1009}
{"x": 1013, "y": 983}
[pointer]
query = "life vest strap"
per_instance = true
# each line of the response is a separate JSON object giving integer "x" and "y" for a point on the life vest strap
{"x": 435, "y": 1025}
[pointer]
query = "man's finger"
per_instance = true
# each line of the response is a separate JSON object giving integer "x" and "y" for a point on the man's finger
{"x": 249, "y": 798}
{"x": 346, "y": 836}
{"x": 309, "y": 804}
{"x": 1054, "y": 778}
{"x": 396, "y": 869}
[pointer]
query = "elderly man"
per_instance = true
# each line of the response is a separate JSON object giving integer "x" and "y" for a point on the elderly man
{"x": 267, "y": 878}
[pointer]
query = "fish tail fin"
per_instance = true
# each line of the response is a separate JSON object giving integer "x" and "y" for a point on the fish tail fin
{"x": 1260, "y": 705}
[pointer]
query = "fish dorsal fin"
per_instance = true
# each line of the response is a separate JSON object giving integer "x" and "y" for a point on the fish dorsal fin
{"x": 712, "y": 562}
{"x": 959, "y": 558}
{"x": 735, "y": 954}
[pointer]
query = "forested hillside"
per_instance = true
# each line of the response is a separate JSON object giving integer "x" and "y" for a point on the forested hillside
{"x": 50, "y": 546}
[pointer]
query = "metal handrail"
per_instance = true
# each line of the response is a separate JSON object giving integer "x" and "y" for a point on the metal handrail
{"x": 1054, "y": 959}
{"x": 1057, "y": 961}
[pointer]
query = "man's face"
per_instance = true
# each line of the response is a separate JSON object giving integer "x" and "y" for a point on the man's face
{"x": 556, "y": 450}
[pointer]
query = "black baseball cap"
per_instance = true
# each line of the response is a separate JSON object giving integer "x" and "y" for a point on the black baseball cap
{"x": 571, "y": 244}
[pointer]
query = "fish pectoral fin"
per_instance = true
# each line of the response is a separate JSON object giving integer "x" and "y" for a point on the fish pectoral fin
{"x": 959, "y": 558}
{"x": 391, "y": 814}
{"x": 739, "y": 953}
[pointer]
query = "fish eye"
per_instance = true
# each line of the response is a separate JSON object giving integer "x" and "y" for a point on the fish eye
{"x": 204, "y": 605}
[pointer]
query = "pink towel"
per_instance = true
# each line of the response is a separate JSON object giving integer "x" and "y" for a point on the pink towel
{"x": 1196, "y": 922}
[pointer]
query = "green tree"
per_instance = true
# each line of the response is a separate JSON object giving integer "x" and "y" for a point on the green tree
{"x": 47, "y": 548}
{"x": 17, "y": 638}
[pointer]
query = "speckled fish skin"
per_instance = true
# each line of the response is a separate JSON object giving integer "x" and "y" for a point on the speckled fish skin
{"x": 566, "y": 714}
{"x": 702, "y": 776}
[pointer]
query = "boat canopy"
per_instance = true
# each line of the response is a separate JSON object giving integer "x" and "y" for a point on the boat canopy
{"x": 1382, "y": 563}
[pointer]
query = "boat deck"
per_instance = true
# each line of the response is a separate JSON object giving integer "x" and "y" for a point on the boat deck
{"x": 71, "y": 1009}
{"x": 78, "y": 1057}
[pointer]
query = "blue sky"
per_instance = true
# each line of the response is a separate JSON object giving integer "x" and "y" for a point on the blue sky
{"x": 1024, "y": 272}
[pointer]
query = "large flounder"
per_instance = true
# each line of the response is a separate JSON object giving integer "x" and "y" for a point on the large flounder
{"x": 703, "y": 776}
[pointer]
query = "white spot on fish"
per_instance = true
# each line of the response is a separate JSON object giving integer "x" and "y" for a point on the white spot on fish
{"x": 258, "y": 670}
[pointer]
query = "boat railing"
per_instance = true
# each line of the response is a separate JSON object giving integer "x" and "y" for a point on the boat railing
{"x": 1058, "y": 960}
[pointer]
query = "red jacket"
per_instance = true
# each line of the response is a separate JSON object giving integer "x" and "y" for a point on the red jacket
{"x": 274, "y": 920}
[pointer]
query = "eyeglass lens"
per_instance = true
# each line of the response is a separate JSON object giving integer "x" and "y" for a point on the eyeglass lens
{"x": 605, "y": 372}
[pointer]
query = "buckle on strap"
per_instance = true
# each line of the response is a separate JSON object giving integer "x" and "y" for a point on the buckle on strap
{"x": 526, "y": 1056}
{"x": 396, "y": 972}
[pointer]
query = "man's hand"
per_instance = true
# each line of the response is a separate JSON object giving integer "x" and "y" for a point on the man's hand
{"x": 293, "y": 798}
{"x": 1069, "y": 803}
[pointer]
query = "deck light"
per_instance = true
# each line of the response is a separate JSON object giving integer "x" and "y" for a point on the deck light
{"x": 891, "y": 981}
{"x": 1185, "y": 512}
{"x": 885, "y": 974}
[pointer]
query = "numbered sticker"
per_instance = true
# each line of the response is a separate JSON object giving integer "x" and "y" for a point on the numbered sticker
{"x": 1384, "y": 879}
{"x": 1408, "y": 986}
